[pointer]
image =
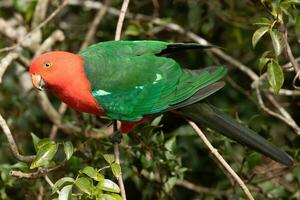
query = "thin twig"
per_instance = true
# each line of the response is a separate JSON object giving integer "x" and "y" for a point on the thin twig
{"x": 39, "y": 12}
{"x": 117, "y": 160}
{"x": 56, "y": 36}
{"x": 291, "y": 57}
{"x": 5, "y": 62}
{"x": 121, "y": 19}
{"x": 47, "y": 179}
{"x": 61, "y": 110}
{"x": 116, "y": 145}
{"x": 12, "y": 143}
{"x": 53, "y": 14}
{"x": 32, "y": 175}
{"x": 199, "y": 189}
{"x": 222, "y": 161}
{"x": 93, "y": 27}
{"x": 286, "y": 118}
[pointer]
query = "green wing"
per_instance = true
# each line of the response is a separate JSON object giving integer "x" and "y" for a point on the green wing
{"x": 129, "y": 80}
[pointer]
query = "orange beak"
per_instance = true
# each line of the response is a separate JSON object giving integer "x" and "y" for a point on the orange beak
{"x": 38, "y": 81}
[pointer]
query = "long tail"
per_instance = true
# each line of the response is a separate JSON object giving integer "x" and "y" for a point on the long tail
{"x": 208, "y": 116}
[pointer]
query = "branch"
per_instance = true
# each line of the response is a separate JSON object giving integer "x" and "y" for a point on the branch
{"x": 56, "y": 36}
{"x": 40, "y": 12}
{"x": 222, "y": 161}
{"x": 116, "y": 145}
{"x": 291, "y": 57}
{"x": 41, "y": 25}
{"x": 5, "y": 62}
{"x": 54, "y": 116}
{"x": 33, "y": 175}
{"x": 12, "y": 143}
{"x": 93, "y": 27}
{"x": 199, "y": 189}
{"x": 121, "y": 19}
{"x": 284, "y": 116}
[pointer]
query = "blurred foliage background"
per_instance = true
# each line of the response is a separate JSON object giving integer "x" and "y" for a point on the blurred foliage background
{"x": 163, "y": 158}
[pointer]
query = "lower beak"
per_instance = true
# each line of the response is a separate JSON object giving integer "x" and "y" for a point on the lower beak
{"x": 38, "y": 81}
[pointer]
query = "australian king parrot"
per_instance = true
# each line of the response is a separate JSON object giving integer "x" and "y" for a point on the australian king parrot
{"x": 131, "y": 80}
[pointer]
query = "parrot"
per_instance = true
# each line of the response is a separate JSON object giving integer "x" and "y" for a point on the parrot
{"x": 131, "y": 81}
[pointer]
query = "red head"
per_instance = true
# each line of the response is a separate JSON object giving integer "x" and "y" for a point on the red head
{"x": 53, "y": 68}
{"x": 63, "y": 74}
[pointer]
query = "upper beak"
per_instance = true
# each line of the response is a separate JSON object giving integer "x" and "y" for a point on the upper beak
{"x": 38, "y": 81}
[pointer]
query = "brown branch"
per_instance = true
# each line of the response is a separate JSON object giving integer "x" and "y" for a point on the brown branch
{"x": 54, "y": 116}
{"x": 12, "y": 143}
{"x": 41, "y": 25}
{"x": 33, "y": 175}
{"x": 39, "y": 12}
{"x": 56, "y": 36}
{"x": 116, "y": 145}
{"x": 289, "y": 121}
{"x": 221, "y": 160}
{"x": 62, "y": 109}
{"x": 291, "y": 57}
{"x": 199, "y": 189}
{"x": 93, "y": 27}
{"x": 121, "y": 19}
{"x": 5, "y": 62}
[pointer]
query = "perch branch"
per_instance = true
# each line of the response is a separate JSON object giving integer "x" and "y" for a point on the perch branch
{"x": 222, "y": 161}
{"x": 116, "y": 145}
{"x": 121, "y": 19}
{"x": 12, "y": 143}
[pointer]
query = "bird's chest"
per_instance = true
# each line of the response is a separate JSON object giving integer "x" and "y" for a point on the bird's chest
{"x": 78, "y": 98}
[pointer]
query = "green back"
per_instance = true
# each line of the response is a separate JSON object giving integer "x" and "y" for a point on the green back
{"x": 128, "y": 80}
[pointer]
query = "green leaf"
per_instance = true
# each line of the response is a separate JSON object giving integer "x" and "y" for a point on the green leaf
{"x": 116, "y": 169}
{"x": 42, "y": 142}
{"x": 293, "y": 1}
{"x": 171, "y": 144}
{"x": 65, "y": 193}
{"x": 262, "y": 21}
{"x": 69, "y": 149}
{"x": 262, "y": 63}
{"x": 156, "y": 121}
{"x": 275, "y": 76}
{"x": 109, "y": 186}
{"x": 60, "y": 182}
{"x": 258, "y": 34}
{"x": 109, "y": 158}
{"x": 92, "y": 173}
{"x": 85, "y": 185}
{"x": 35, "y": 140}
{"x": 44, "y": 154}
{"x": 19, "y": 165}
{"x": 107, "y": 197}
{"x": 170, "y": 184}
{"x": 133, "y": 30}
{"x": 116, "y": 196}
{"x": 276, "y": 37}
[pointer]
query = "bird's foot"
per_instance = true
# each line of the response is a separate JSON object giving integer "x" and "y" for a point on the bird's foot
{"x": 116, "y": 137}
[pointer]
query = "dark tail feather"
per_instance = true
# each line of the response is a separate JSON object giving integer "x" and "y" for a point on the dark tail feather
{"x": 171, "y": 48}
{"x": 199, "y": 95}
{"x": 208, "y": 116}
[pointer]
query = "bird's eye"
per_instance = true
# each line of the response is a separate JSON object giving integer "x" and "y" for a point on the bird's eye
{"x": 47, "y": 64}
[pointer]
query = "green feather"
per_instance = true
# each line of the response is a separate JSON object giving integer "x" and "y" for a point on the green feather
{"x": 129, "y": 79}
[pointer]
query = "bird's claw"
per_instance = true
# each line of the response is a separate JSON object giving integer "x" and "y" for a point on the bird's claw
{"x": 116, "y": 137}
